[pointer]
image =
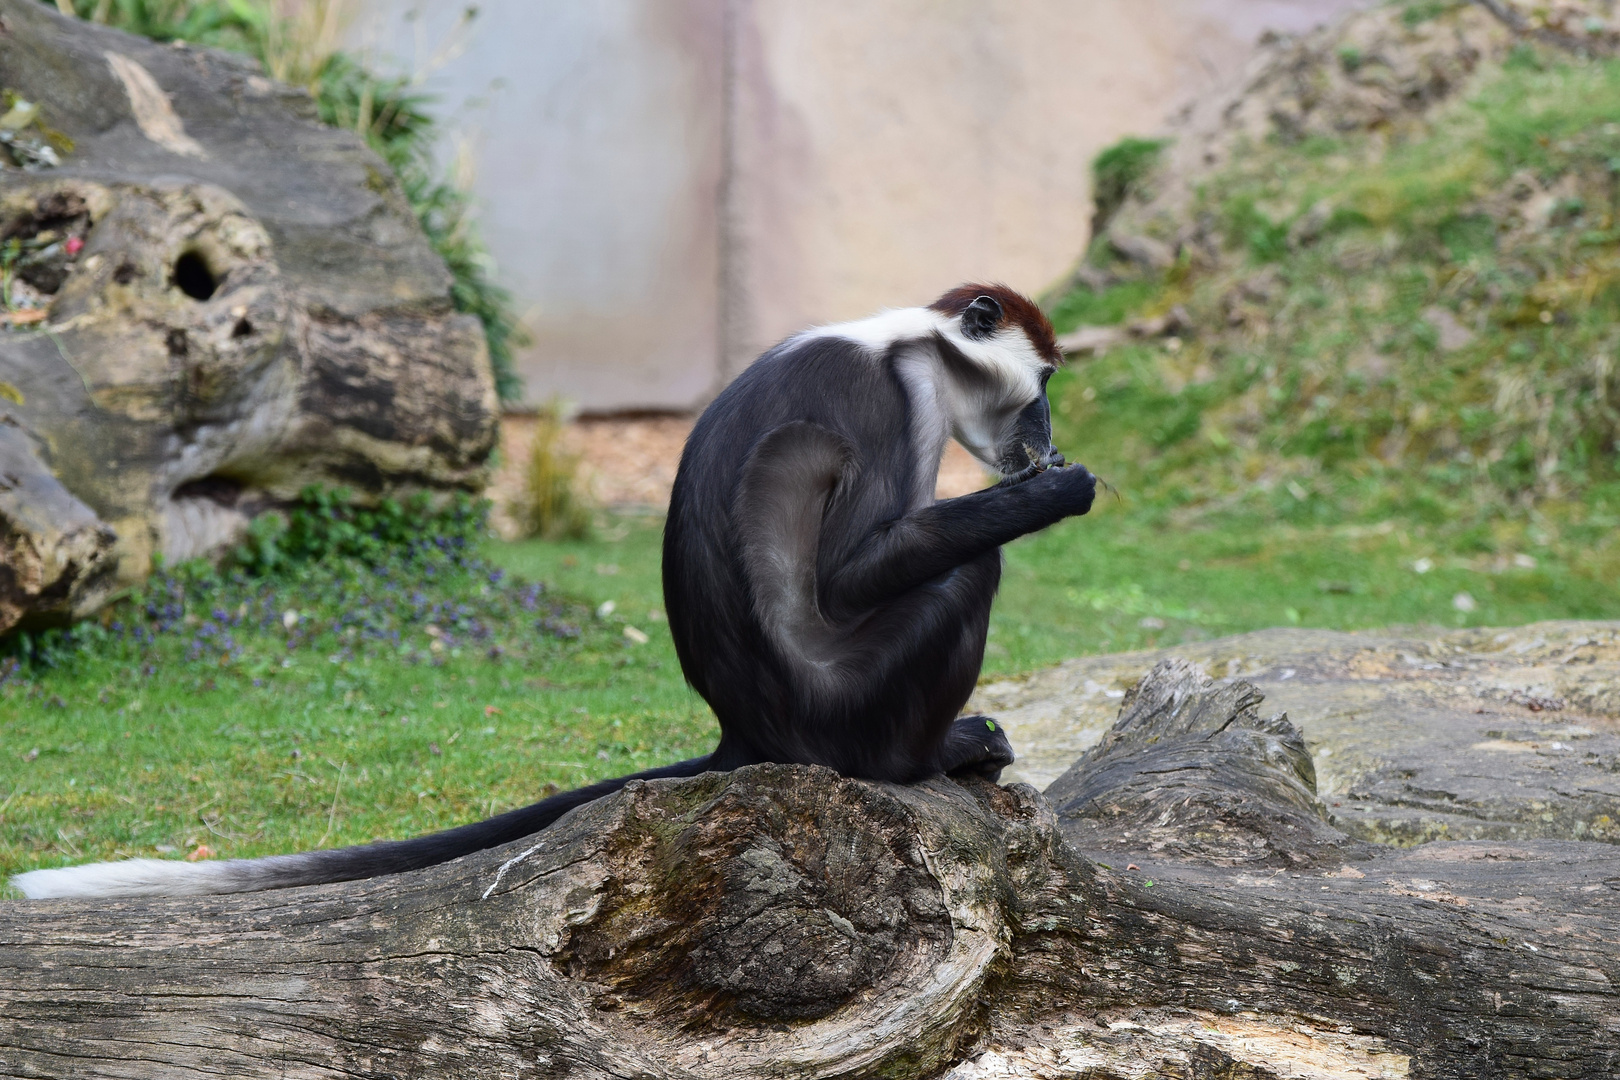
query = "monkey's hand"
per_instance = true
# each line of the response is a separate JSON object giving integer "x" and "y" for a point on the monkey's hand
{"x": 1071, "y": 487}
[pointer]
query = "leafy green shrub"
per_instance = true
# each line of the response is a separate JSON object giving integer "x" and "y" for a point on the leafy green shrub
{"x": 325, "y": 523}
{"x": 382, "y": 569}
{"x": 388, "y": 111}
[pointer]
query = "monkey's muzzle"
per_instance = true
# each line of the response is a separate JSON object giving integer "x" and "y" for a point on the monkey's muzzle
{"x": 1038, "y": 462}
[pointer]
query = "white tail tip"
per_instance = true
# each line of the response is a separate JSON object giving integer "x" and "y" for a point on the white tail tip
{"x": 135, "y": 877}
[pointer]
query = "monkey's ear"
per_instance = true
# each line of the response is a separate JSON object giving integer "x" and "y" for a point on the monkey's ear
{"x": 981, "y": 317}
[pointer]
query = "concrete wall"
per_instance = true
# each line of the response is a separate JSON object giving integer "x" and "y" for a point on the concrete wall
{"x": 671, "y": 185}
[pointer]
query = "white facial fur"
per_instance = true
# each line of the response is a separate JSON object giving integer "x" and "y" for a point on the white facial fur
{"x": 977, "y": 415}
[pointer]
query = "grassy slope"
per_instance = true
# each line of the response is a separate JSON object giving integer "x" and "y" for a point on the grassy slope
{"x": 1311, "y": 441}
{"x": 1317, "y": 366}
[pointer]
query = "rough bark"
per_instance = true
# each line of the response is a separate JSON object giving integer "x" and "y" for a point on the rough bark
{"x": 1464, "y": 735}
{"x": 1181, "y": 907}
{"x": 248, "y": 307}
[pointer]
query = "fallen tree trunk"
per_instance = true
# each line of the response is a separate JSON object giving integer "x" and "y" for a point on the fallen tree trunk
{"x": 1479, "y": 734}
{"x": 213, "y": 300}
{"x": 1180, "y": 907}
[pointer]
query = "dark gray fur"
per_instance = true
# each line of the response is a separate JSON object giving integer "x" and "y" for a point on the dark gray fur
{"x": 826, "y": 607}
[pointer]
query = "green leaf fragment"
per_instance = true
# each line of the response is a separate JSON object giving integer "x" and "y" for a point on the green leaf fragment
{"x": 19, "y": 116}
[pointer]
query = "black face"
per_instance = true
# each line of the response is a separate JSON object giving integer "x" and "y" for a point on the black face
{"x": 1028, "y": 448}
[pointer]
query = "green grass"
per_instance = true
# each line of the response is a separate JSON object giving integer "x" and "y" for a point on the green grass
{"x": 1127, "y": 577}
{"x": 149, "y": 750}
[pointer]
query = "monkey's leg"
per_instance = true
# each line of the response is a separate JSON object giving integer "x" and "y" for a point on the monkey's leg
{"x": 922, "y": 545}
{"x": 976, "y": 746}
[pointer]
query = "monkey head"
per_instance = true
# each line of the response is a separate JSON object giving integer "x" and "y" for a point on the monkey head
{"x": 999, "y": 350}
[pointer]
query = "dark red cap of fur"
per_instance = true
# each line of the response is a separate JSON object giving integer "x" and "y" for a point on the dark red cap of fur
{"x": 1016, "y": 308}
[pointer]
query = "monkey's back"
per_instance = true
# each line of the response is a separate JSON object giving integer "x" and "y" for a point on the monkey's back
{"x": 773, "y": 702}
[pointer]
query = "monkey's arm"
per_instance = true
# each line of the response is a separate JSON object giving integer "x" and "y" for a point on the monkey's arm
{"x": 902, "y": 554}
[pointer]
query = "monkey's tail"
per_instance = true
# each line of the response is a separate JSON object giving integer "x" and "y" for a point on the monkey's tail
{"x": 171, "y": 877}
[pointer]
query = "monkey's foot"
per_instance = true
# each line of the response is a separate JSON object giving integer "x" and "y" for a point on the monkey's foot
{"x": 977, "y": 746}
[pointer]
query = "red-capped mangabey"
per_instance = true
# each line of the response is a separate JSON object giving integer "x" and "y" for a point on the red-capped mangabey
{"x": 827, "y": 607}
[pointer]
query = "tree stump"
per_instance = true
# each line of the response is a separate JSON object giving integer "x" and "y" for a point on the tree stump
{"x": 1178, "y": 905}
{"x": 221, "y": 301}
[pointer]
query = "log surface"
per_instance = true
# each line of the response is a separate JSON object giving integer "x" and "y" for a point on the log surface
{"x": 1498, "y": 734}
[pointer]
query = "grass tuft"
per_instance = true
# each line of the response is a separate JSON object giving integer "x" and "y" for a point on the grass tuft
{"x": 552, "y": 508}
{"x": 1117, "y": 171}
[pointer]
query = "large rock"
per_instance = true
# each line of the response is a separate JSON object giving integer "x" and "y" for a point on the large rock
{"x": 239, "y": 302}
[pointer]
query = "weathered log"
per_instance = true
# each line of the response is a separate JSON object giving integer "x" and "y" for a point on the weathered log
{"x": 237, "y": 302}
{"x": 1477, "y": 958}
{"x": 1464, "y": 735}
{"x": 781, "y": 920}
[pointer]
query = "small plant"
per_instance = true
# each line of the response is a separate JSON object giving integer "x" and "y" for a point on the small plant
{"x": 1116, "y": 172}
{"x": 327, "y": 523}
{"x": 553, "y": 509}
{"x": 1248, "y": 226}
{"x": 26, "y": 141}
{"x": 383, "y": 569}
{"x": 1421, "y": 11}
